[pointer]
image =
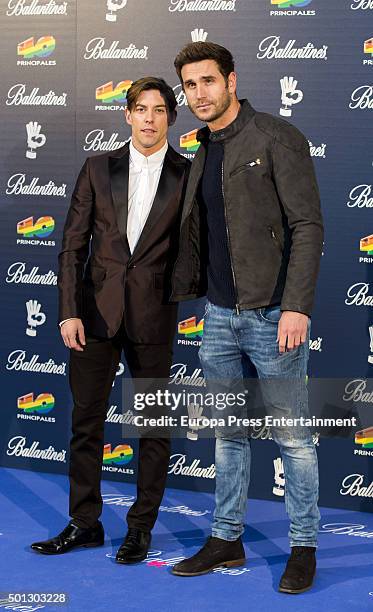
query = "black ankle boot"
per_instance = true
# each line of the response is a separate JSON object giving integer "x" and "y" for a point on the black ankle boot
{"x": 215, "y": 552}
{"x": 300, "y": 570}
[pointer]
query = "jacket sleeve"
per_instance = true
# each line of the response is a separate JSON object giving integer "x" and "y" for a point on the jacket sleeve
{"x": 75, "y": 246}
{"x": 297, "y": 188}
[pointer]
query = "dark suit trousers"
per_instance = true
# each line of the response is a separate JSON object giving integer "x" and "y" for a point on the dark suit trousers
{"x": 92, "y": 372}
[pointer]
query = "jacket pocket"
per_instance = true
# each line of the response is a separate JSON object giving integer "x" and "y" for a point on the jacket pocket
{"x": 248, "y": 166}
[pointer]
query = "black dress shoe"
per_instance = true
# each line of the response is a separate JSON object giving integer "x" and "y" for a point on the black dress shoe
{"x": 71, "y": 537}
{"x": 135, "y": 546}
{"x": 215, "y": 553}
{"x": 300, "y": 570}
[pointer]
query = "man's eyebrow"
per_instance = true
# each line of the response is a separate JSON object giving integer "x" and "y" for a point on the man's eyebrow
{"x": 203, "y": 78}
{"x": 156, "y": 106}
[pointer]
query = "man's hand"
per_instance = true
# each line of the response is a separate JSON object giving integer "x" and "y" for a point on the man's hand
{"x": 292, "y": 330}
{"x": 72, "y": 333}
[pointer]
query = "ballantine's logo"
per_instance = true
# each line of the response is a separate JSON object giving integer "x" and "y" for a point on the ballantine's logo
{"x": 177, "y": 376}
{"x": 113, "y": 499}
{"x": 17, "y": 186}
{"x": 365, "y": 437}
{"x": 189, "y": 142}
{"x": 362, "y": 97}
{"x": 283, "y": 5}
{"x": 120, "y": 455}
{"x": 95, "y": 50}
{"x": 269, "y": 49}
{"x": 19, "y": 7}
{"x": 362, "y": 4}
{"x": 114, "y": 417}
{"x": 349, "y": 529}
{"x": 42, "y": 228}
{"x": 180, "y": 96}
{"x": 16, "y": 275}
{"x": 359, "y": 197}
{"x": 351, "y": 485}
{"x": 94, "y": 141}
{"x": 17, "y": 97}
{"x": 355, "y": 391}
{"x": 178, "y": 468}
{"x": 17, "y": 448}
{"x": 357, "y": 295}
{"x": 42, "y": 48}
{"x": 16, "y": 361}
{"x": 107, "y": 94}
{"x": 370, "y": 357}
{"x": 201, "y": 5}
{"x": 317, "y": 151}
{"x": 35, "y": 409}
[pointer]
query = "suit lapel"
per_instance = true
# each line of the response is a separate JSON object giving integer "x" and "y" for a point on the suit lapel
{"x": 168, "y": 186}
{"x": 119, "y": 174}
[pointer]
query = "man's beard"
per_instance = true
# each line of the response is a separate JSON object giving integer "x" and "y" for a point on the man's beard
{"x": 217, "y": 112}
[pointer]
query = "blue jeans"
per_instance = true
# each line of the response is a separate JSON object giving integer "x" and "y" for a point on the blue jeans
{"x": 228, "y": 337}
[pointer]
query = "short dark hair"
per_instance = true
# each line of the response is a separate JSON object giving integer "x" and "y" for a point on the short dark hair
{"x": 150, "y": 82}
{"x": 199, "y": 51}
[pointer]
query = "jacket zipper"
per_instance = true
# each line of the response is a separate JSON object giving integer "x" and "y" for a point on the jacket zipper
{"x": 228, "y": 238}
{"x": 276, "y": 240}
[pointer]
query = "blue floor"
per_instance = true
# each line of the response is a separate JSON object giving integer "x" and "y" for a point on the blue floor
{"x": 33, "y": 507}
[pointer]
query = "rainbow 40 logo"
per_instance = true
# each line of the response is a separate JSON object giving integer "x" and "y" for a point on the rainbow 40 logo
{"x": 120, "y": 455}
{"x": 107, "y": 93}
{"x": 189, "y": 141}
{"x": 282, "y": 4}
{"x": 42, "y": 228}
{"x": 43, "y": 47}
{"x": 190, "y": 328}
{"x": 42, "y": 404}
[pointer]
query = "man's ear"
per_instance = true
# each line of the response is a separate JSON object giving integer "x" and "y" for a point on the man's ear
{"x": 127, "y": 115}
{"x": 232, "y": 82}
{"x": 172, "y": 117}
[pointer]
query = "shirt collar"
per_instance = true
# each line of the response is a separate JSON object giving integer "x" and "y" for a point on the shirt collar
{"x": 152, "y": 162}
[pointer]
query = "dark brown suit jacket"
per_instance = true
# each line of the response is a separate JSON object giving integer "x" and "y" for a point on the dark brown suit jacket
{"x": 98, "y": 280}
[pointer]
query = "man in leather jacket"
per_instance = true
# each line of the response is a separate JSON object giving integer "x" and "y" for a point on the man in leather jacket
{"x": 250, "y": 240}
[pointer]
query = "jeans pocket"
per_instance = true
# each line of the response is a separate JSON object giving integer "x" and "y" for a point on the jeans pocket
{"x": 271, "y": 314}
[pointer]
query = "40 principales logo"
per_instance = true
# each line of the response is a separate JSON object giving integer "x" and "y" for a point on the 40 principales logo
{"x": 291, "y": 8}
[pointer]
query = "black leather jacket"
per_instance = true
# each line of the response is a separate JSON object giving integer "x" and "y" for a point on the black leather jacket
{"x": 272, "y": 209}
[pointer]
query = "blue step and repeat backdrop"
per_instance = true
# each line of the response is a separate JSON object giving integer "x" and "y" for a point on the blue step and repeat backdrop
{"x": 66, "y": 68}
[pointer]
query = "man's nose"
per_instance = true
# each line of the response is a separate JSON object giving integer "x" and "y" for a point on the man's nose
{"x": 200, "y": 90}
{"x": 149, "y": 117}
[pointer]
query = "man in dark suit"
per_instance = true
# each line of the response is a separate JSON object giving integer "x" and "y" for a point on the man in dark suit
{"x": 119, "y": 247}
